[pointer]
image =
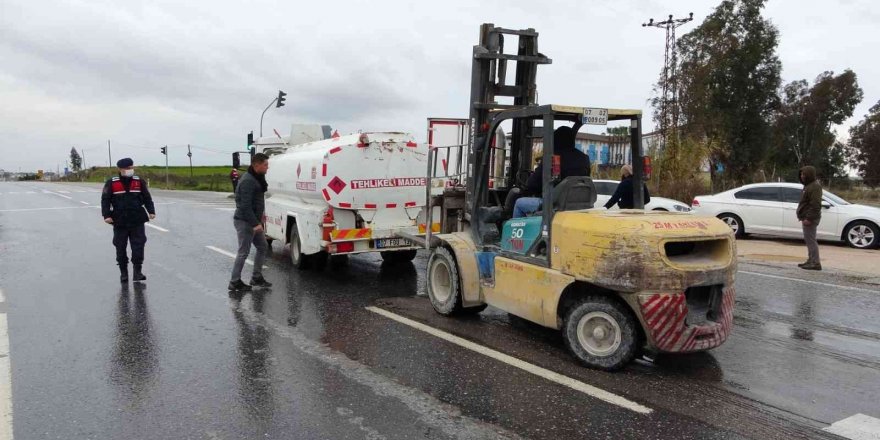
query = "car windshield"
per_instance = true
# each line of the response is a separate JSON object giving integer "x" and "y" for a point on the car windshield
{"x": 834, "y": 198}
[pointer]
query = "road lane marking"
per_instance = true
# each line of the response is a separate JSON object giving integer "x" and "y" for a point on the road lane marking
{"x": 84, "y": 202}
{"x": 225, "y": 209}
{"x": 64, "y": 192}
{"x": 47, "y": 209}
{"x": 228, "y": 254}
{"x": 59, "y": 195}
{"x": 836, "y": 286}
{"x": 857, "y": 427}
{"x": 158, "y": 228}
{"x": 552, "y": 376}
{"x": 5, "y": 377}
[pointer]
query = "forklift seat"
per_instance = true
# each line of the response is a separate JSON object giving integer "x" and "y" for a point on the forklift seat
{"x": 574, "y": 193}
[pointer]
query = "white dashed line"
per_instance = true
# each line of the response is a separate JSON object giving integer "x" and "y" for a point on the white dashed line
{"x": 158, "y": 228}
{"x": 83, "y": 202}
{"x": 47, "y": 209}
{"x": 59, "y": 195}
{"x": 228, "y": 254}
{"x": 5, "y": 377}
{"x": 857, "y": 427}
{"x": 552, "y": 376}
{"x": 817, "y": 283}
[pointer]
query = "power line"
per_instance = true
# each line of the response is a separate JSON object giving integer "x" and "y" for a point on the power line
{"x": 669, "y": 99}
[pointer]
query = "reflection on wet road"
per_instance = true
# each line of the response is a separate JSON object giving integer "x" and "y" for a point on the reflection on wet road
{"x": 178, "y": 357}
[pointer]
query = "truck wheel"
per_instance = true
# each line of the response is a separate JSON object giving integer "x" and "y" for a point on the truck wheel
{"x": 444, "y": 288}
{"x": 398, "y": 257}
{"x": 297, "y": 258}
{"x": 601, "y": 333}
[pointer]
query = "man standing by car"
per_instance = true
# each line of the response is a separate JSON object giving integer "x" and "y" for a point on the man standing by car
{"x": 809, "y": 213}
{"x": 250, "y": 204}
{"x": 623, "y": 195}
{"x": 126, "y": 204}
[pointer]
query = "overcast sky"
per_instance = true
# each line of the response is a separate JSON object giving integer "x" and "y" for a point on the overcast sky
{"x": 146, "y": 74}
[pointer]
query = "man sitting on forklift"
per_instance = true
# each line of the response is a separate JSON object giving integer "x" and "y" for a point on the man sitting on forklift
{"x": 571, "y": 162}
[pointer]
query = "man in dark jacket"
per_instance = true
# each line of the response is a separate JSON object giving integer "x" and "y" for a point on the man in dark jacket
{"x": 126, "y": 204}
{"x": 250, "y": 204}
{"x": 623, "y": 195}
{"x": 571, "y": 163}
{"x": 809, "y": 213}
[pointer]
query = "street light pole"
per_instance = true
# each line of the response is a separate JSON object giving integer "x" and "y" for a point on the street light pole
{"x": 166, "y": 168}
{"x": 278, "y": 101}
{"x": 264, "y": 113}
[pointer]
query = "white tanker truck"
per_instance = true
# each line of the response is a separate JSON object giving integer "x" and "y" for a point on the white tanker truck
{"x": 341, "y": 195}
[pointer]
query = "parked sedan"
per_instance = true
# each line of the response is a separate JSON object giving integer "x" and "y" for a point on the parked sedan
{"x": 770, "y": 208}
{"x": 605, "y": 189}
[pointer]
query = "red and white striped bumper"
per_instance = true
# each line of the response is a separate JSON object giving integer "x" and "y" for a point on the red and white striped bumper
{"x": 666, "y": 326}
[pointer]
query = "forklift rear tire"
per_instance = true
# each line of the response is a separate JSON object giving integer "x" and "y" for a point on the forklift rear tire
{"x": 297, "y": 258}
{"x": 444, "y": 285}
{"x": 399, "y": 257}
{"x": 601, "y": 333}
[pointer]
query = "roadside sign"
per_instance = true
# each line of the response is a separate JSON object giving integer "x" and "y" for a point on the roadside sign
{"x": 595, "y": 116}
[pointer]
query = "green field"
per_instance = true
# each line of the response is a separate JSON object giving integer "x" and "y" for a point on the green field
{"x": 202, "y": 179}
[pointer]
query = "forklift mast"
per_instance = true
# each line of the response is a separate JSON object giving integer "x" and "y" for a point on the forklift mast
{"x": 488, "y": 82}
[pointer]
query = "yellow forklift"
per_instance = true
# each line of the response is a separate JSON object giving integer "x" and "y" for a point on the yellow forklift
{"x": 616, "y": 283}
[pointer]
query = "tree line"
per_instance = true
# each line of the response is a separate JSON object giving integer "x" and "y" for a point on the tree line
{"x": 737, "y": 115}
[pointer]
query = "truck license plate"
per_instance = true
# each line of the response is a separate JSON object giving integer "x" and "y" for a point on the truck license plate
{"x": 383, "y": 243}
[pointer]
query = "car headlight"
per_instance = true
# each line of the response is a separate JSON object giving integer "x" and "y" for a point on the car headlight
{"x": 681, "y": 208}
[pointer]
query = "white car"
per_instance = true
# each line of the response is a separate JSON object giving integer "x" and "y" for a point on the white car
{"x": 770, "y": 208}
{"x": 605, "y": 189}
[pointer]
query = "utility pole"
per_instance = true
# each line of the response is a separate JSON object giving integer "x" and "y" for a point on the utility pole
{"x": 189, "y": 154}
{"x": 83, "y": 154}
{"x": 109, "y": 157}
{"x": 164, "y": 151}
{"x": 669, "y": 99}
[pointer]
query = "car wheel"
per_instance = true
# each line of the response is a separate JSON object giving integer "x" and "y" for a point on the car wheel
{"x": 862, "y": 235}
{"x": 660, "y": 209}
{"x": 601, "y": 333}
{"x": 444, "y": 285}
{"x": 735, "y": 223}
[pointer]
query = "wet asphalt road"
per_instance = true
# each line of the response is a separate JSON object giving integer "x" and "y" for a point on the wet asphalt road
{"x": 179, "y": 358}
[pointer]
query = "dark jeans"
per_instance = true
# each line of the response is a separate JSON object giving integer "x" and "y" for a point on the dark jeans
{"x": 246, "y": 237}
{"x": 122, "y": 235}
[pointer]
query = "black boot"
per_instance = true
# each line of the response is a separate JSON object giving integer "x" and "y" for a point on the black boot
{"x": 123, "y": 274}
{"x": 239, "y": 286}
{"x": 259, "y": 281}
{"x": 138, "y": 275}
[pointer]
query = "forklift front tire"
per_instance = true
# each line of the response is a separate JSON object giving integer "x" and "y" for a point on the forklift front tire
{"x": 601, "y": 333}
{"x": 444, "y": 286}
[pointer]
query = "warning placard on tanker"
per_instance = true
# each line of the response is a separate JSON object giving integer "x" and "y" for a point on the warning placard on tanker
{"x": 389, "y": 183}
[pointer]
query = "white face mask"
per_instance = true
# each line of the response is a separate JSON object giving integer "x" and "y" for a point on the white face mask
{"x": 127, "y": 173}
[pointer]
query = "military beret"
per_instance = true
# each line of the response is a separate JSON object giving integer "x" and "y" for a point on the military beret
{"x": 125, "y": 163}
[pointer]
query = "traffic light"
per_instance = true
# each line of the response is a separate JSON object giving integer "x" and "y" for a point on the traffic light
{"x": 250, "y": 138}
{"x": 164, "y": 150}
{"x": 281, "y": 98}
{"x": 236, "y": 160}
